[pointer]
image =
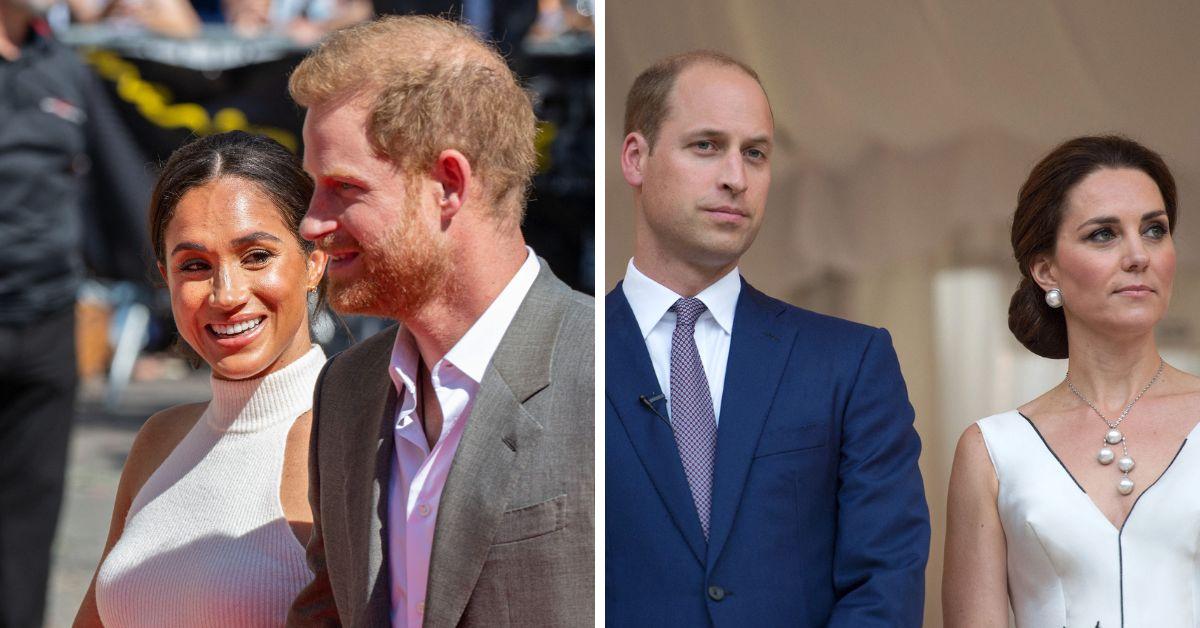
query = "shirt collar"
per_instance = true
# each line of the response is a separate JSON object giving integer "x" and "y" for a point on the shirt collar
{"x": 651, "y": 300}
{"x": 472, "y": 353}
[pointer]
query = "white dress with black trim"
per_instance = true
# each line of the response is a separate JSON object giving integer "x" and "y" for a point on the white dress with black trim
{"x": 1068, "y": 565}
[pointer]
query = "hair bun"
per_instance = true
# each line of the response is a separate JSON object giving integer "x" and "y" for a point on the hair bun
{"x": 1041, "y": 328}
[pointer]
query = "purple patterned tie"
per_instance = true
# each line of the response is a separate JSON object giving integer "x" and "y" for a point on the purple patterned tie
{"x": 692, "y": 415}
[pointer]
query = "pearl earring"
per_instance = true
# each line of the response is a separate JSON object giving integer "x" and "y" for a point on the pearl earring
{"x": 1054, "y": 298}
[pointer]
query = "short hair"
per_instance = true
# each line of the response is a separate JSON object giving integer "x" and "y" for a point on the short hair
{"x": 1040, "y": 204}
{"x": 431, "y": 84}
{"x": 647, "y": 106}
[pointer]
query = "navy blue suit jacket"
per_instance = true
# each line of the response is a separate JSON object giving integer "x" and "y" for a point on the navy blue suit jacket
{"x": 818, "y": 515}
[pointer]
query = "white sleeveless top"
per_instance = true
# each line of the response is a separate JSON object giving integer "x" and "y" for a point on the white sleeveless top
{"x": 205, "y": 541}
{"x": 1067, "y": 564}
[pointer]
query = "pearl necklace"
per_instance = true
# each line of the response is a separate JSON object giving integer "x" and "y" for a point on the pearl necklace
{"x": 1114, "y": 435}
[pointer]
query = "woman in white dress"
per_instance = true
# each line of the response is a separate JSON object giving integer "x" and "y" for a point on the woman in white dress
{"x": 1082, "y": 507}
{"x": 211, "y": 515}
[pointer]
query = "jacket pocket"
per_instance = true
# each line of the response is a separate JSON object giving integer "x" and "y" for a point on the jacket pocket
{"x": 532, "y": 521}
{"x": 792, "y": 438}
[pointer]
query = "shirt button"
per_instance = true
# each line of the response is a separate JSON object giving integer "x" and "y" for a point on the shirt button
{"x": 423, "y": 509}
{"x": 716, "y": 593}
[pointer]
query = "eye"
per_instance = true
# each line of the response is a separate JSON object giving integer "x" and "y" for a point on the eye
{"x": 1156, "y": 231}
{"x": 756, "y": 154}
{"x": 257, "y": 257}
{"x": 1103, "y": 234}
{"x": 193, "y": 266}
{"x": 705, "y": 146}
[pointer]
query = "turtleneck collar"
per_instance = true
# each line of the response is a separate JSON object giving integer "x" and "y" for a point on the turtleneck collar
{"x": 250, "y": 405}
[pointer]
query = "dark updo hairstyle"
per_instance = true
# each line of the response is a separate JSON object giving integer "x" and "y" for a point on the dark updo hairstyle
{"x": 1040, "y": 206}
{"x": 274, "y": 170}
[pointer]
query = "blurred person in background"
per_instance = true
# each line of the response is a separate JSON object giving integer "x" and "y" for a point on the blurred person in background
{"x": 211, "y": 513}
{"x": 171, "y": 18}
{"x": 47, "y": 133}
{"x": 305, "y": 21}
{"x": 452, "y": 454}
{"x": 505, "y": 22}
{"x": 1080, "y": 508}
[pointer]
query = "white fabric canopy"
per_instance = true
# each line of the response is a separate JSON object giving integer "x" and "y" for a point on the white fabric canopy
{"x": 906, "y": 128}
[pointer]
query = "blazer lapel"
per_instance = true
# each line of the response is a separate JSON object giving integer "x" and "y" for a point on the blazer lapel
{"x": 758, "y": 353}
{"x": 370, "y": 446}
{"x": 500, "y": 437}
{"x": 630, "y": 377}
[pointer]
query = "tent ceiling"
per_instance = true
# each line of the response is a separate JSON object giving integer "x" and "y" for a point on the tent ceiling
{"x": 901, "y": 102}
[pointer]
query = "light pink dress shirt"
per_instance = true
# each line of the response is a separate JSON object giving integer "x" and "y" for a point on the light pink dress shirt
{"x": 418, "y": 473}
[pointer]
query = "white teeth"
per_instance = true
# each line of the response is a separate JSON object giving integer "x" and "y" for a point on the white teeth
{"x": 237, "y": 328}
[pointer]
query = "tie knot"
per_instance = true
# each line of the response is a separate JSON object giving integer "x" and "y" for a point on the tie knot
{"x": 687, "y": 311}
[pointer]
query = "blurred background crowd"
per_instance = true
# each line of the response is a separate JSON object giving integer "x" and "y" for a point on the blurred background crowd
{"x": 94, "y": 95}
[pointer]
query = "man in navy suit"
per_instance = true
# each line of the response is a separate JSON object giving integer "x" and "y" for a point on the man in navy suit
{"x": 761, "y": 462}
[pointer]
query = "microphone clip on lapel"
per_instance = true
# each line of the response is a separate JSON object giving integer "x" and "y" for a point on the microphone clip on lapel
{"x": 649, "y": 402}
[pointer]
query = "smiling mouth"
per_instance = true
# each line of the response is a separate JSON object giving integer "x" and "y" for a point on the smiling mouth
{"x": 236, "y": 329}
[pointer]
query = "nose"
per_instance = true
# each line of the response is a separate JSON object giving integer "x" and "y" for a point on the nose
{"x": 230, "y": 289}
{"x": 733, "y": 174}
{"x": 1136, "y": 257}
{"x": 319, "y": 221}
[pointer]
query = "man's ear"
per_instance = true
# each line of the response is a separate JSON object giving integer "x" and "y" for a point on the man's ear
{"x": 1044, "y": 272}
{"x": 452, "y": 172}
{"x": 634, "y": 151}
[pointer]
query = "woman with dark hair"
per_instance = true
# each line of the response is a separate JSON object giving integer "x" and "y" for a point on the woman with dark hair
{"x": 211, "y": 514}
{"x": 1080, "y": 508}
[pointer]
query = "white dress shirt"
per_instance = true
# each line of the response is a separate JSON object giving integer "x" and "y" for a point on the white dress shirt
{"x": 419, "y": 474}
{"x": 651, "y": 303}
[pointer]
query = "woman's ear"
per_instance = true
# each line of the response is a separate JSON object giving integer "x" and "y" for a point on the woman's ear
{"x": 316, "y": 268}
{"x": 1044, "y": 272}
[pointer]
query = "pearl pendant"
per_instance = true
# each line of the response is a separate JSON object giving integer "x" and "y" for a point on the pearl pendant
{"x": 1125, "y": 486}
{"x": 1105, "y": 456}
{"x": 1113, "y": 436}
{"x": 1125, "y": 464}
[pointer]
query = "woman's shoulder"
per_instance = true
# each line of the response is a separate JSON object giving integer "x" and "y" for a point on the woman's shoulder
{"x": 976, "y": 444}
{"x": 158, "y": 437}
{"x": 169, "y": 425}
{"x": 997, "y": 423}
{"x": 1183, "y": 382}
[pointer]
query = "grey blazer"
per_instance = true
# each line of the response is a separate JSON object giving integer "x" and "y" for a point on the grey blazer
{"x": 513, "y": 545}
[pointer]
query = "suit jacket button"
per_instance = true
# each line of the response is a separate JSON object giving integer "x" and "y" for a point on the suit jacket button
{"x": 716, "y": 593}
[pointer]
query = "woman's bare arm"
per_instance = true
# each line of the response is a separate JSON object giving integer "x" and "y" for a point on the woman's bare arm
{"x": 154, "y": 442}
{"x": 975, "y": 575}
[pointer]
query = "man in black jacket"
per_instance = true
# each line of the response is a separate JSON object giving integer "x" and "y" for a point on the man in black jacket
{"x": 48, "y": 119}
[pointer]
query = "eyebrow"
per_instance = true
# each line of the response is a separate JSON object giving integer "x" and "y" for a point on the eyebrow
{"x": 709, "y": 132}
{"x": 1109, "y": 220}
{"x": 340, "y": 173}
{"x": 257, "y": 236}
